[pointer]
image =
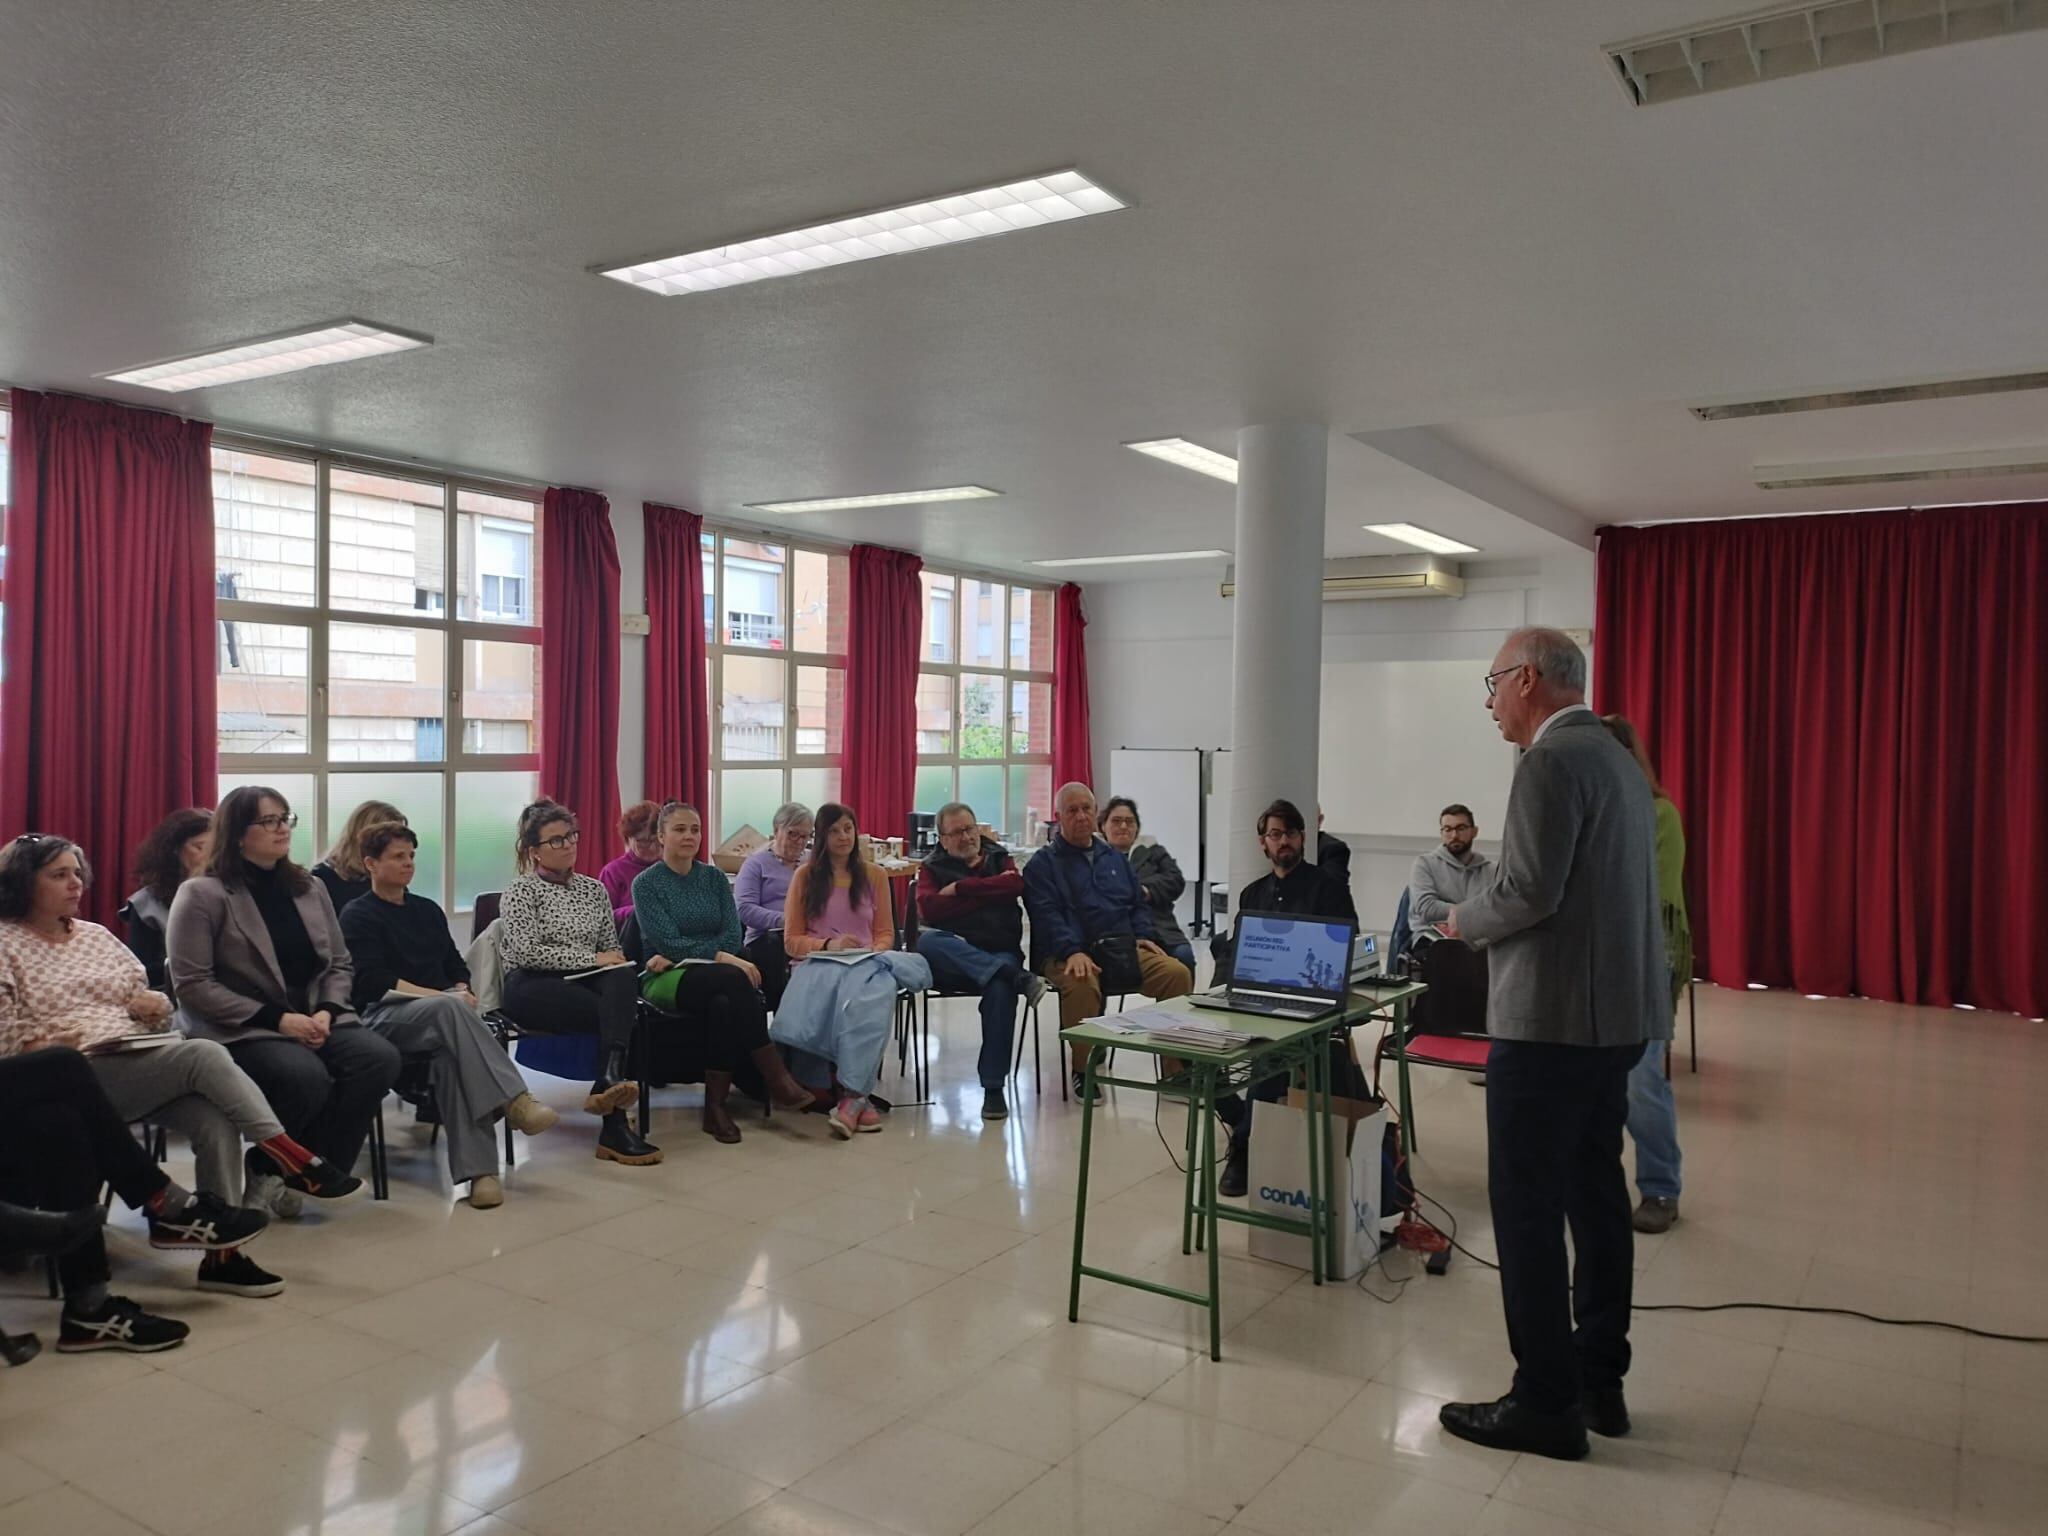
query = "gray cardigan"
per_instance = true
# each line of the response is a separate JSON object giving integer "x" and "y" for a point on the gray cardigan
{"x": 1572, "y": 920}
{"x": 225, "y": 969}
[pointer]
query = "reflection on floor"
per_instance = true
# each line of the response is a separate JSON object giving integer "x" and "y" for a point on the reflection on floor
{"x": 797, "y": 1335}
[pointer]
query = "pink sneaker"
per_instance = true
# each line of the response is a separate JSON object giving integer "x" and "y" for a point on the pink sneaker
{"x": 870, "y": 1123}
{"x": 844, "y": 1120}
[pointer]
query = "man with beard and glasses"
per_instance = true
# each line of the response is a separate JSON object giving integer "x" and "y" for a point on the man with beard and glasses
{"x": 1296, "y": 887}
{"x": 1449, "y": 873}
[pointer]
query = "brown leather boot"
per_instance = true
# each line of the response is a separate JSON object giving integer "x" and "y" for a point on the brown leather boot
{"x": 783, "y": 1088}
{"x": 718, "y": 1123}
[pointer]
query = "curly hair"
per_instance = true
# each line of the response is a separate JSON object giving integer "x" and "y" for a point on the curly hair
{"x": 160, "y": 861}
{"x": 531, "y": 820}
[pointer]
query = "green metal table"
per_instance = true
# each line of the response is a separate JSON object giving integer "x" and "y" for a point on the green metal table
{"x": 1283, "y": 1046}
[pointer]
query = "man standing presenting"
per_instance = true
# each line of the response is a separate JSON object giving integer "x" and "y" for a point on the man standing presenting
{"x": 1577, "y": 975}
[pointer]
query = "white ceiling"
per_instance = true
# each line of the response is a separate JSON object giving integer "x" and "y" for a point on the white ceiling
{"x": 1381, "y": 216}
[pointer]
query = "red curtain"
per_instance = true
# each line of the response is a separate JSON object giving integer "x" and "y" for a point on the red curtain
{"x": 1851, "y": 712}
{"x": 678, "y": 755}
{"x": 579, "y": 720}
{"x": 884, "y": 615}
{"x": 1072, "y": 760}
{"x": 108, "y": 703}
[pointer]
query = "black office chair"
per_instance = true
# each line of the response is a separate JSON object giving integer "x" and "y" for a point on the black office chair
{"x": 924, "y": 1004}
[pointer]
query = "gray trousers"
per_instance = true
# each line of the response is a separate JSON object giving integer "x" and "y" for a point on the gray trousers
{"x": 195, "y": 1088}
{"x": 473, "y": 1078}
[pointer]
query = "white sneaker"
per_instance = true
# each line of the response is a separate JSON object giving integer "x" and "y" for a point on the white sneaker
{"x": 1034, "y": 988}
{"x": 267, "y": 1192}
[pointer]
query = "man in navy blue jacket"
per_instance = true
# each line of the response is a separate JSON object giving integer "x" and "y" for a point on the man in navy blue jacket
{"x": 1078, "y": 890}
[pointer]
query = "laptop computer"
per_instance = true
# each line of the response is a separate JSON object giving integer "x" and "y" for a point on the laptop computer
{"x": 1286, "y": 967}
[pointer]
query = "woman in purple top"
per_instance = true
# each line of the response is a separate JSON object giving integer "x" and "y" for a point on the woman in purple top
{"x": 762, "y": 892}
{"x": 643, "y": 851}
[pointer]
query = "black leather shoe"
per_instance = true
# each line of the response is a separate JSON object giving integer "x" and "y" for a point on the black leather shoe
{"x": 1508, "y": 1425}
{"x": 1605, "y": 1411}
{"x": 1232, "y": 1182}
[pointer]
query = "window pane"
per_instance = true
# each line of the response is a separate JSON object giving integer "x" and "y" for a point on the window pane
{"x": 298, "y": 792}
{"x": 387, "y": 693}
{"x": 385, "y": 539}
{"x": 500, "y": 681}
{"x": 933, "y": 789}
{"x": 752, "y": 593}
{"x": 497, "y": 554}
{"x": 981, "y": 715}
{"x": 982, "y": 788}
{"x": 818, "y": 617}
{"x": 934, "y": 715}
{"x": 813, "y": 786}
{"x": 820, "y": 711}
{"x": 417, "y": 795}
{"x": 263, "y": 689}
{"x": 487, "y": 807}
{"x": 1030, "y": 800}
{"x": 981, "y": 624}
{"x": 262, "y": 529}
{"x": 708, "y": 548}
{"x": 937, "y": 641}
{"x": 1030, "y": 718}
{"x": 754, "y": 710}
{"x": 748, "y": 797}
{"x": 1030, "y": 630}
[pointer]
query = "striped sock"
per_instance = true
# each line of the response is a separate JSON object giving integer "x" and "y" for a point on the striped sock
{"x": 289, "y": 1156}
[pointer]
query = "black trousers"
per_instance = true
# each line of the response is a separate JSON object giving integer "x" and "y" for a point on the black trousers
{"x": 1554, "y": 1115}
{"x": 604, "y": 1005}
{"x": 721, "y": 1008}
{"x": 59, "y": 1141}
{"x": 772, "y": 959}
{"x": 326, "y": 1097}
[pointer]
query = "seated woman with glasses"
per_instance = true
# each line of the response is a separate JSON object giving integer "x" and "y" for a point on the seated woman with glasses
{"x": 1159, "y": 877}
{"x": 565, "y": 973}
{"x": 690, "y": 928}
{"x": 342, "y": 870}
{"x": 762, "y": 891}
{"x": 844, "y": 971}
{"x": 643, "y": 852}
{"x": 260, "y": 965}
{"x": 173, "y": 853}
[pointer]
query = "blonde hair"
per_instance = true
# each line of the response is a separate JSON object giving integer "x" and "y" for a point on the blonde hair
{"x": 347, "y": 853}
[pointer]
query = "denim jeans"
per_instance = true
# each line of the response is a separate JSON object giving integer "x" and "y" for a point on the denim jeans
{"x": 958, "y": 966}
{"x": 1653, "y": 1123}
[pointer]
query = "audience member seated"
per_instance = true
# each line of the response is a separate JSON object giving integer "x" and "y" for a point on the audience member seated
{"x": 412, "y": 988}
{"x": 1448, "y": 874}
{"x": 1333, "y": 854}
{"x": 1290, "y": 885}
{"x": 841, "y": 1009}
{"x": 258, "y": 959}
{"x": 1086, "y": 906}
{"x": 763, "y": 893}
{"x": 342, "y": 870}
{"x": 68, "y": 982}
{"x": 556, "y": 926}
{"x": 174, "y": 851}
{"x": 643, "y": 852}
{"x": 690, "y": 932}
{"x": 1158, "y": 876}
{"x": 60, "y": 1140}
{"x": 972, "y": 932}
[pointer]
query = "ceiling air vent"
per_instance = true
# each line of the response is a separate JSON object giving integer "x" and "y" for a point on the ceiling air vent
{"x": 1370, "y": 576}
{"x": 1799, "y": 39}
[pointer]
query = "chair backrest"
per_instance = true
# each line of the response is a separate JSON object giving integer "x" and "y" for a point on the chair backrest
{"x": 485, "y": 912}
{"x": 1397, "y": 941}
{"x": 906, "y": 922}
{"x": 629, "y": 940}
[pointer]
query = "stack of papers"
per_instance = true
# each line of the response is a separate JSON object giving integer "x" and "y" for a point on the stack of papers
{"x": 1202, "y": 1037}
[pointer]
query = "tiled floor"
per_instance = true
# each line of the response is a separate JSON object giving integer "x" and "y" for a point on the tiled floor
{"x": 798, "y": 1337}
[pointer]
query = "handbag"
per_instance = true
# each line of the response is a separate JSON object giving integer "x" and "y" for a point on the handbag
{"x": 1115, "y": 955}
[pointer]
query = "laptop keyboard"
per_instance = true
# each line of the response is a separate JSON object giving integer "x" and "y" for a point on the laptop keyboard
{"x": 1253, "y": 1002}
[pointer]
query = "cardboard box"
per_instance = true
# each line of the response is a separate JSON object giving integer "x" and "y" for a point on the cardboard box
{"x": 1278, "y": 1179}
{"x": 734, "y": 851}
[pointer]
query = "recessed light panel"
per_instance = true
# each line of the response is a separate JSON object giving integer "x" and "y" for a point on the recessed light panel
{"x": 882, "y": 499}
{"x": 1175, "y": 554}
{"x": 1178, "y": 450}
{"x": 1420, "y": 538}
{"x": 340, "y": 342}
{"x": 949, "y": 220}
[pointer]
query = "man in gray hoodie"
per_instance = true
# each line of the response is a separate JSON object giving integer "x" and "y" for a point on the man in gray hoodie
{"x": 1449, "y": 873}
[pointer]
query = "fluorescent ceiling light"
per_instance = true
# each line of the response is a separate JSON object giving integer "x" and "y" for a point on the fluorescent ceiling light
{"x": 340, "y": 342}
{"x": 1175, "y": 554}
{"x": 1178, "y": 450}
{"x": 1891, "y": 394}
{"x": 1972, "y": 465}
{"x": 884, "y": 499}
{"x": 1049, "y": 199}
{"x": 1421, "y": 538}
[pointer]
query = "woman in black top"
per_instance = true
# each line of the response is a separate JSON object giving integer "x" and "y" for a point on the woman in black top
{"x": 342, "y": 871}
{"x": 173, "y": 853}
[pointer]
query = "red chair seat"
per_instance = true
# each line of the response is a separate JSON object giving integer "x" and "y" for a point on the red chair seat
{"x": 1465, "y": 1052}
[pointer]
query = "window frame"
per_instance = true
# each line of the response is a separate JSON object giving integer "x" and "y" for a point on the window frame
{"x": 1007, "y": 676}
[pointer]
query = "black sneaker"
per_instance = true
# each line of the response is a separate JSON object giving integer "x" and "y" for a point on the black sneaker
{"x": 120, "y": 1324}
{"x": 323, "y": 1181}
{"x": 993, "y": 1105}
{"x": 207, "y": 1222}
{"x": 236, "y": 1274}
{"x": 1080, "y": 1084}
{"x": 1231, "y": 1183}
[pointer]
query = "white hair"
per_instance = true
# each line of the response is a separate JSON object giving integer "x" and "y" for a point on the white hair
{"x": 1068, "y": 791}
{"x": 1553, "y": 653}
{"x": 794, "y": 813}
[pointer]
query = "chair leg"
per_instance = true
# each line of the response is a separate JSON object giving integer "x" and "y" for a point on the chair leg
{"x": 508, "y": 1145}
{"x": 380, "y": 1171}
{"x": 50, "y": 1271}
{"x": 1692, "y": 1014}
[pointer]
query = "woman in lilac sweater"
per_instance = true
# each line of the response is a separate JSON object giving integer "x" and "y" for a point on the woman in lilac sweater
{"x": 762, "y": 892}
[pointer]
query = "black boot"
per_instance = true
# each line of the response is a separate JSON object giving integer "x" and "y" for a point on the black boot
{"x": 614, "y": 1088}
{"x": 718, "y": 1122}
{"x": 30, "y": 1231}
{"x": 1231, "y": 1182}
{"x": 618, "y": 1142}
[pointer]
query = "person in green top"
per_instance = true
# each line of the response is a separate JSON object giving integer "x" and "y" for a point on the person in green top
{"x": 1652, "y": 1114}
{"x": 690, "y": 934}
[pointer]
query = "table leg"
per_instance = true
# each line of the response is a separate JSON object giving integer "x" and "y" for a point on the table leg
{"x": 1188, "y": 1233}
{"x": 1206, "y": 1100}
{"x": 1336, "y": 1193}
{"x": 1318, "y": 1139}
{"x": 1407, "y": 1102}
{"x": 1088, "y": 1091}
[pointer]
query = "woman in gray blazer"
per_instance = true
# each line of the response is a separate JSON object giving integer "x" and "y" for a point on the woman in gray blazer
{"x": 259, "y": 964}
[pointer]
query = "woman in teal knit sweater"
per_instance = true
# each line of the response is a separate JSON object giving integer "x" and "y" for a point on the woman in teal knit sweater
{"x": 690, "y": 930}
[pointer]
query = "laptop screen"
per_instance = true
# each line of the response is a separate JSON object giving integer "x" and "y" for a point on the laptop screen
{"x": 1304, "y": 954}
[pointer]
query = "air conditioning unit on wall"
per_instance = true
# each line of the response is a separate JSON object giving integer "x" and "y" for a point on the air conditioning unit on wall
{"x": 1376, "y": 576}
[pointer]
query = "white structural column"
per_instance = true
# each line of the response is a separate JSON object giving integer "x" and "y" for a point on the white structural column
{"x": 1277, "y": 632}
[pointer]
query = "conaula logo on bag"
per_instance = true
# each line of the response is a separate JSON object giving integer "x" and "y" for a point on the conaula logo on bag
{"x": 1362, "y": 1214}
